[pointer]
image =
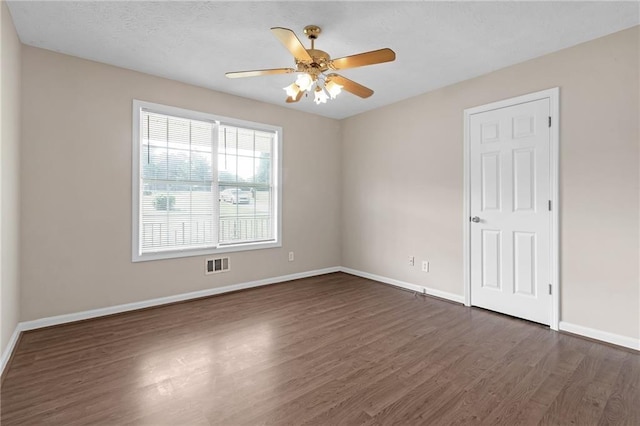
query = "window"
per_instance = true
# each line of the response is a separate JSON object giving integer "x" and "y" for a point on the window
{"x": 202, "y": 184}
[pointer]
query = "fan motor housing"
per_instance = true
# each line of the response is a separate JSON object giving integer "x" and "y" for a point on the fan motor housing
{"x": 320, "y": 61}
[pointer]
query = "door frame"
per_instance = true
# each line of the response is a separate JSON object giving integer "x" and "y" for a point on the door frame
{"x": 553, "y": 95}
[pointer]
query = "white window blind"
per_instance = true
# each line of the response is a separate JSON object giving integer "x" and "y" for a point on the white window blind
{"x": 244, "y": 161}
{"x": 177, "y": 200}
{"x": 204, "y": 185}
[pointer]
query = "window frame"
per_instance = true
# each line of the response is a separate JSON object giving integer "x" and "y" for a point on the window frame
{"x": 136, "y": 216}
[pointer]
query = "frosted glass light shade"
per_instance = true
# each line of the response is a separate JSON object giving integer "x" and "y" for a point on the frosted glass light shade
{"x": 333, "y": 88}
{"x": 320, "y": 96}
{"x": 304, "y": 81}
{"x": 292, "y": 90}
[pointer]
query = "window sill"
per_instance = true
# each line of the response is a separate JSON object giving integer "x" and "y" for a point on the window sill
{"x": 175, "y": 254}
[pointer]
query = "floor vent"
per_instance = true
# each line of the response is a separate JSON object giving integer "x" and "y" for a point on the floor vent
{"x": 214, "y": 266}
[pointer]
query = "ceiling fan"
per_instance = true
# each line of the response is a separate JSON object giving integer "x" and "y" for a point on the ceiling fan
{"x": 313, "y": 64}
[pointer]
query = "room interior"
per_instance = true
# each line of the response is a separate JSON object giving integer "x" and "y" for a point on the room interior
{"x": 367, "y": 183}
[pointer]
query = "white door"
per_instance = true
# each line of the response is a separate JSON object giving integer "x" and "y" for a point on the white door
{"x": 510, "y": 239}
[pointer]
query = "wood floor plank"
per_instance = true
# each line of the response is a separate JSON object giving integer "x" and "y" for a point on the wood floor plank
{"x": 415, "y": 364}
{"x": 328, "y": 350}
{"x": 622, "y": 405}
{"x": 521, "y": 403}
{"x": 333, "y": 356}
{"x": 373, "y": 361}
{"x": 437, "y": 393}
{"x": 574, "y": 404}
{"x": 479, "y": 397}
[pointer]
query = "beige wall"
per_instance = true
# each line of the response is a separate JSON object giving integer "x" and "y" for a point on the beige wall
{"x": 389, "y": 181}
{"x": 76, "y": 188}
{"x": 402, "y": 171}
{"x": 9, "y": 178}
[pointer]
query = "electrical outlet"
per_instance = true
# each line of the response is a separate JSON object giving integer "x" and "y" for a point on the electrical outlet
{"x": 425, "y": 266}
{"x": 412, "y": 261}
{"x": 291, "y": 256}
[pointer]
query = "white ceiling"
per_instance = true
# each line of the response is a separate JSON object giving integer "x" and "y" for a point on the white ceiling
{"x": 437, "y": 43}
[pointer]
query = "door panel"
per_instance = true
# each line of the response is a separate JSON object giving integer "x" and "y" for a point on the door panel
{"x": 510, "y": 189}
{"x": 491, "y": 181}
{"x": 491, "y": 258}
{"x": 524, "y": 179}
{"x": 524, "y": 246}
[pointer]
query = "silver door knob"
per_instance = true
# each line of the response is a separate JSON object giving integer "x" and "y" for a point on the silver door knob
{"x": 475, "y": 219}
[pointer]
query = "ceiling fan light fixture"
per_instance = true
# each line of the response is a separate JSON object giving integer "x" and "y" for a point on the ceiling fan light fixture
{"x": 312, "y": 64}
{"x": 292, "y": 90}
{"x": 304, "y": 81}
{"x": 320, "y": 96}
{"x": 333, "y": 88}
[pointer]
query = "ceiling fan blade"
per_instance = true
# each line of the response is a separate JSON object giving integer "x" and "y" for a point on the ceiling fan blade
{"x": 291, "y": 100}
{"x": 351, "y": 86}
{"x": 256, "y": 73}
{"x": 289, "y": 39}
{"x": 363, "y": 59}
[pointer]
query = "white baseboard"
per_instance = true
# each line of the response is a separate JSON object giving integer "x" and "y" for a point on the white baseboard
{"x": 604, "y": 336}
{"x": 413, "y": 287}
{"x": 100, "y": 312}
{"x": 110, "y": 310}
{"x": 11, "y": 345}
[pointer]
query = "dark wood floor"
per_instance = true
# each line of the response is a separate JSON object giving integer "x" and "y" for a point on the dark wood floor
{"x": 329, "y": 350}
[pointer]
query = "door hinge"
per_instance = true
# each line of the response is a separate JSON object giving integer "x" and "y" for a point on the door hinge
{"x": 549, "y": 288}
{"x": 549, "y": 205}
{"x": 549, "y": 121}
